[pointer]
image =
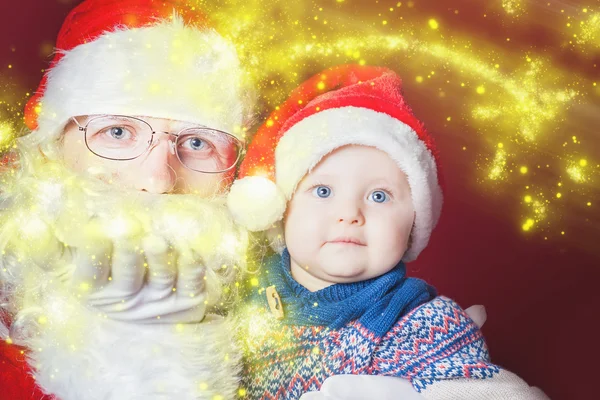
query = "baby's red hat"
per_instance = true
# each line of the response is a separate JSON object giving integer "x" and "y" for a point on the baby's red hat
{"x": 343, "y": 105}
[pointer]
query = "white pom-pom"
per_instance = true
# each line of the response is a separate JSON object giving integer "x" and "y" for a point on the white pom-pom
{"x": 256, "y": 203}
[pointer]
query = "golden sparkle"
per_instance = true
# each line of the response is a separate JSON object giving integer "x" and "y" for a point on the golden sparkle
{"x": 515, "y": 97}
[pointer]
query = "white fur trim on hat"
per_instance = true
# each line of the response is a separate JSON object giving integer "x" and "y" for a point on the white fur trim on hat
{"x": 167, "y": 70}
{"x": 307, "y": 142}
{"x": 256, "y": 203}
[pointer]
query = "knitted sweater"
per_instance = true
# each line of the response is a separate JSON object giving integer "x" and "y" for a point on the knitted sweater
{"x": 435, "y": 345}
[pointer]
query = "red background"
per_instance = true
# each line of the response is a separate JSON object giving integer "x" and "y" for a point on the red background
{"x": 541, "y": 296}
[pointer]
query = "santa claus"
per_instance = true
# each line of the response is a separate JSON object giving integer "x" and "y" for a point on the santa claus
{"x": 108, "y": 288}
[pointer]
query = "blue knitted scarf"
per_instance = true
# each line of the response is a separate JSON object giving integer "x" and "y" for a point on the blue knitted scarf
{"x": 377, "y": 303}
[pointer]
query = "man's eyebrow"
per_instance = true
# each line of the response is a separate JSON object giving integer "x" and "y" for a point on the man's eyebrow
{"x": 117, "y": 117}
{"x": 185, "y": 125}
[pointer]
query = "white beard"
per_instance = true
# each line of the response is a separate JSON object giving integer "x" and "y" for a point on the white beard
{"x": 75, "y": 351}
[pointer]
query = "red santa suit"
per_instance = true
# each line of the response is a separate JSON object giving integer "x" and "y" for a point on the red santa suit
{"x": 15, "y": 378}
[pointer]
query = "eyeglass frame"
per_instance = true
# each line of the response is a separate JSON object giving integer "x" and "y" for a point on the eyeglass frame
{"x": 83, "y": 129}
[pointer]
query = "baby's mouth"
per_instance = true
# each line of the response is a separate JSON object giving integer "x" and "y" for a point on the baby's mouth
{"x": 347, "y": 240}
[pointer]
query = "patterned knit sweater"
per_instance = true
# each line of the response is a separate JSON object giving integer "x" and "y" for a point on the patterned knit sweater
{"x": 435, "y": 345}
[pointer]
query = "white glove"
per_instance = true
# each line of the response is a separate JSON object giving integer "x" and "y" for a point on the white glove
{"x": 367, "y": 387}
{"x": 364, "y": 387}
{"x": 155, "y": 284}
{"x": 477, "y": 314}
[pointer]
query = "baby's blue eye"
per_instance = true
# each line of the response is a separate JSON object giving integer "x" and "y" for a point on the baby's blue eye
{"x": 322, "y": 191}
{"x": 379, "y": 196}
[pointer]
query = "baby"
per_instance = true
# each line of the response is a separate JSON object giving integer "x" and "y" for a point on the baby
{"x": 355, "y": 177}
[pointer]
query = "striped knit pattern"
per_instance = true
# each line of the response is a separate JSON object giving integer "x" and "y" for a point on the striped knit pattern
{"x": 436, "y": 341}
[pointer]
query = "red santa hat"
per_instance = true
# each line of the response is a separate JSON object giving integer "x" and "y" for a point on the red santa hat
{"x": 344, "y": 105}
{"x": 141, "y": 58}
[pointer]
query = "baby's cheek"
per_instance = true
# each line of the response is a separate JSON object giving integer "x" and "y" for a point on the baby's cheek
{"x": 304, "y": 226}
{"x": 389, "y": 243}
{"x": 303, "y": 231}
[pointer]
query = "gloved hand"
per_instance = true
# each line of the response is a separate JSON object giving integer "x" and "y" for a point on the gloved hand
{"x": 364, "y": 387}
{"x": 152, "y": 284}
{"x": 478, "y": 314}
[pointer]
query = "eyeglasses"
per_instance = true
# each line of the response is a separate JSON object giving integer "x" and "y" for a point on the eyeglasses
{"x": 120, "y": 137}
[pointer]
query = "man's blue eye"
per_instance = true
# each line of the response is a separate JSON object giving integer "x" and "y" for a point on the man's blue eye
{"x": 196, "y": 143}
{"x": 379, "y": 196}
{"x": 322, "y": 191}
